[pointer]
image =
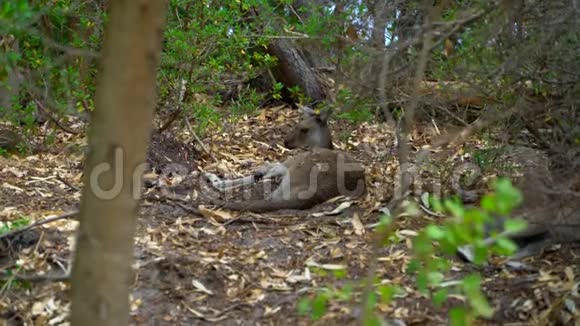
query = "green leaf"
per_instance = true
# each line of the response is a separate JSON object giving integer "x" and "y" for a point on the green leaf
{"x": 436, "y": 204}
{"x": 480, "y": 254}
{"x": 371, "y": 300}
{"x": 458, "y": 316}
{"x": 304, "y": 305}
{"x": 345, "y": 293}
{"x": 434, "y": 232}
{"x": 471, "y": 283}
{"x": 387, "y": 292}
{"x": 435, "y": 278}
{"x": 413, "y": 266}
{"x": 441, "y": 264}
{"x": 508, "y": 197}
{"x": 422, "y": 245}
{"x": 384, "y": 221}
{"x": 440, "y": 297}
{"x": 488, "y": 202}
{"x": 472, "y": 289}
{"x": 505, "y": 246}
{"x": 319, "y": 305}
{"x": 476, "y": 216}
{"x": 339, "y": 273}
{"x": 515, "y": 225}
{"x": 422, "y": 281}
{"x": 456, "y": 208}
{"x": 371, "y": 319}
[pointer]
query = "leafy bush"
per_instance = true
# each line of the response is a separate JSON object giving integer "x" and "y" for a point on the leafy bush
{"x": 430, "y": 264}
{"x": 205, "y": 116}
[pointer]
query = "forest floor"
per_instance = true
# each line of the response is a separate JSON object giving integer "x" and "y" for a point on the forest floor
{"x": 211, "y": 266}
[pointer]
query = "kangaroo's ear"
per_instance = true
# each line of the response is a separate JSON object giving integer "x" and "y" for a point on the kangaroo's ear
{"x": 324, "y": 115}
{"x": 307, "y": 111}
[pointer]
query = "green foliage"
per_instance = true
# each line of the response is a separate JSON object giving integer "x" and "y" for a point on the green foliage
{"x": 316, "y": 306}
{"x": 10, "y": 281}
{"x": 466, "y": 226}
{"x": 357, "y": 116}
{"x": 319, "y": 304}
{"x": 429, "y": 264}
{"x": 387, "y": 292}
{"x": 297, "y": 95}
{"x": 41, "y": 37}
{"x": 20, "y": 115}
{"x": 10, "y": 226}
{"x": 322, "y": 22}
{"x": 459, "y": 316}
{"x": 216, "y": 40}
{"x": 503, "y": 200}
{"x": 486, "y": 159}
{"x": 354, "y": 109}
{"x": 277, "y": 91}
{"x": 205, "y": 116}
{"x": 205, "y": 43}
{"x": 247, "y": 103}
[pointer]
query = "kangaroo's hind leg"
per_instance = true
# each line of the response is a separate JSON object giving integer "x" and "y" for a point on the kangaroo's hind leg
{"x": 267, "y": 171}
{"x": 270, "y": 171}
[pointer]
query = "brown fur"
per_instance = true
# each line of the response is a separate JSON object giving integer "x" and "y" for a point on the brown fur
{"x": 545, "y": 207}
{"x": 311, "y": 178}
{"x": 311, "y": 131}
{"x": 553, "y": 216}
{"x": 308, "y": 178}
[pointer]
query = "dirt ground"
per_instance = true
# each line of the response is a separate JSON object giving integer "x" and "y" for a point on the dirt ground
{"x": 229, "y": 268}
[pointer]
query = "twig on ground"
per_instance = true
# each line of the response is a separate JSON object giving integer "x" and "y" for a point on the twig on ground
{"x": 36, "y": 278}
{"x": 189, "y": 209}
{"x": 177, "y": 200}
{"x": 198, "y": 140}
{"x": 36, "y": 224}
{"x": 52, "y": 118}
{"x": 66, "y": 183}
{"x": 430, "y": 212}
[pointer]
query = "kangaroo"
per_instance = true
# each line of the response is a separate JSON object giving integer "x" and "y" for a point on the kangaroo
{"x": 308, "y": 178}
{"x": 311, "y": 131}
{"x": 552, "y": 217}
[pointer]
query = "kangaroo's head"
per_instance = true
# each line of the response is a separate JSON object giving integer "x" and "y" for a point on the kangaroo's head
{"x": 311, "y": 131}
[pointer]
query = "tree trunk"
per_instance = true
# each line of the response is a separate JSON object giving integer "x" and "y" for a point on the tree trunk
{"x": 294, "y": 70}
{"x": 10, "y": 87}
{"x": 118, "y": 137}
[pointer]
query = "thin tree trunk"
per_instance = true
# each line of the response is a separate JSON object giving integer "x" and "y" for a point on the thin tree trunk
{"x": 294, "y": 70}
{"x": 10, "y": 86}
{"x": 118, "y": 137}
